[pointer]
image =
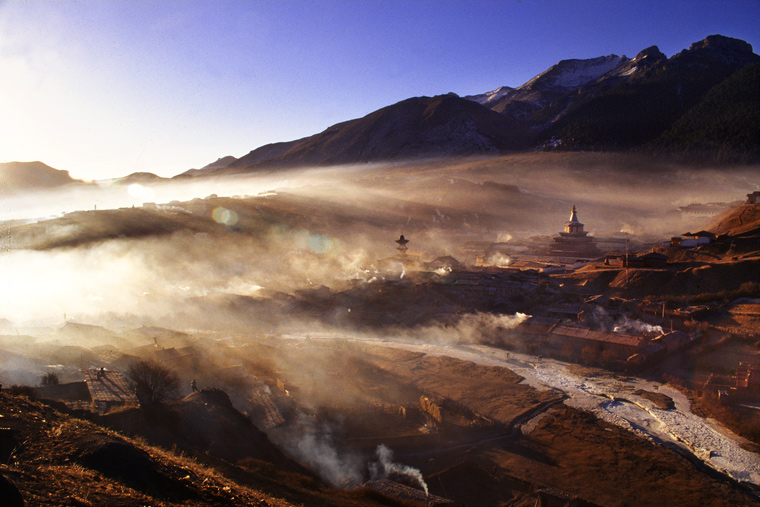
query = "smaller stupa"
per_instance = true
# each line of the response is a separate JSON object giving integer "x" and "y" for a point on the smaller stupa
{"x": 402, "y": 241}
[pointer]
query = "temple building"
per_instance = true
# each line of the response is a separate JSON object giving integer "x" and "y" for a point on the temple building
{"x": 574, "y": 241}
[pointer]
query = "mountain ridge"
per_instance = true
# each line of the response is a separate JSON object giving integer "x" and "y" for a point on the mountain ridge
{"x": 608, "y": 103}
{"x": 413, "y": 128}
{"x": 642, "y": 107}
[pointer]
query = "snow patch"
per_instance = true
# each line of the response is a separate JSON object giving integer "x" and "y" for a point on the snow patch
{"x": 571, "y": 74}
{"x": 492, "y": 96}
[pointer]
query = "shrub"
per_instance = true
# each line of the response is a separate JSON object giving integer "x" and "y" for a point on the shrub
{"x": 50, "y": 379}
{"x": 154, "y": 383}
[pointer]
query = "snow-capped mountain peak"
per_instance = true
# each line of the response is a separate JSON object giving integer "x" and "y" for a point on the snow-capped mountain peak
{"x": 645, "y": 59}
{"x": 490, "y": 97}
{"x": 571, "y": 74}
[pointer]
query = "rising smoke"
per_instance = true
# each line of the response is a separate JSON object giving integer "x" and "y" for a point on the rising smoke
{"x": 386, "y": 468}
{"x": 600, "y": 319}
{"x": 311, "y": 442}
{"x": 477, "y": 327}
{"x": 627, "y": 325}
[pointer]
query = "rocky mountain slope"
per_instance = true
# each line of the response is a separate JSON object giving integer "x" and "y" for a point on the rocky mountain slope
{"x": 647, "y": 102}
{"x": 742, "y": 220}
{"x": 725, "y": 121}
{"x": 550, "y": 85}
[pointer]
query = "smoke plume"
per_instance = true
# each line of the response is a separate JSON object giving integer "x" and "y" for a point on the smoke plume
{"x": 385, "y": 468}
{"x": 312, "y": 443}
{"x": 477, "y": 327}
{"x": 626, "y": 325}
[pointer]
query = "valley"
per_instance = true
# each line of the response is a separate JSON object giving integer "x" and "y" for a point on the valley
{"x": 332, "y": 368}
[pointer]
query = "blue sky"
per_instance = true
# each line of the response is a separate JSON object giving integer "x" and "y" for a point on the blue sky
{"x": 106, "y": 88}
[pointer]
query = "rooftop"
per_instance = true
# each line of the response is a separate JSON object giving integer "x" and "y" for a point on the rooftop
{"x": 601, "y": 336}
{"x": 108, "y": 386}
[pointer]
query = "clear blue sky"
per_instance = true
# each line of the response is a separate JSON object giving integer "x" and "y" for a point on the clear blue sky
{"x": 105, "y": 88}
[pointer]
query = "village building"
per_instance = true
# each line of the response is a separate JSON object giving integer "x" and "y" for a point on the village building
{"x": 754, "y": 197}
{"x": 566, "y": 311}
{"x": 558, "y": 337}
{"x": 674, "y": 340}
{"x": 647, "y": 260}
{"x": 74, "y": 395}
{"x": 747, "y": 376}
{"x": 403, "y": 492}
{"x": 691, "y": 240}
{"x": 445, "y": 262}
{"x": 574, "y": 241}
{"x": 108, "y": 389}
{"x": 100, "y": 390}
{"x": 178, "y": 358}
{"x": 618, "y": 346}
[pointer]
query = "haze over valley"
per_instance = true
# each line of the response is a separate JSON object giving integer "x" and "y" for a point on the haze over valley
{"x": 539, "y": 295}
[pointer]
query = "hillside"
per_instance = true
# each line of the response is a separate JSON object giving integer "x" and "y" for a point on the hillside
{"x": 23, "y": 176}
{"x": 739, "y": 220}
{"x": 445, "y": 125}
{"x": 55, "y": 459}
{"x": 726, "y": 124}
{"x": 58, "y": 460}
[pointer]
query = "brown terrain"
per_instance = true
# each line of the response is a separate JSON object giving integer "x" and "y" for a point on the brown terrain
{"x": 468, "y": 413}
{"x": 285, "y": 307}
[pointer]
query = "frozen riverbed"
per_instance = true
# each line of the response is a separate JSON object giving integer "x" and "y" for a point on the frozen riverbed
{"x": 612, "y": 399}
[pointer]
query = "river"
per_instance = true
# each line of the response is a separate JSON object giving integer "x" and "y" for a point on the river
{"x": 611, "y": 399}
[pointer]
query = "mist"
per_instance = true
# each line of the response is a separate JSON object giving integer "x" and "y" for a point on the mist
{"x": 296, "y": 229}
{"x": 277, "y": 286}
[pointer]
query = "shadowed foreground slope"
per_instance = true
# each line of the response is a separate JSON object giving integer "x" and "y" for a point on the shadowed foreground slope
{"x": 58, "y": 460}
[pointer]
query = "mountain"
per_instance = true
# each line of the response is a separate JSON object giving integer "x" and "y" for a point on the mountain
{"x": 17, "y": 176}
{"x": 444, "y": 125}
{"x": 140, "y": 178}
{"x": 641, "y": 107}
{"x": 646, "y": 59}
{"x": 550, "y": 85}
{"x": 219, "y": 163}
{"x": 725, "y": 124}
{"x": 650, "y": 103}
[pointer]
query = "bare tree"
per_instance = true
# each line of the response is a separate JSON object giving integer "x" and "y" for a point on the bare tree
{"x": 50, "y": 379}
{"x": 154, "y": 383}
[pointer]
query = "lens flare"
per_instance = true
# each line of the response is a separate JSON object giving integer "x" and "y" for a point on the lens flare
{"x": 225, "y": 216}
